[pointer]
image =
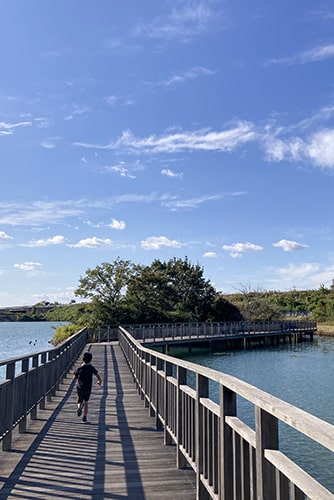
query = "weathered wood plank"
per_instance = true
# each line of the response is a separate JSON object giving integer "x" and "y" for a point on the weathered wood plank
{"x": 117, "y": 454}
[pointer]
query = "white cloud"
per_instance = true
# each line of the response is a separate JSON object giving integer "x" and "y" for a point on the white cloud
{"x": 299, "y": 272}
{"x": 117, "y": 224}
{"x": 237, "y": 249}
{"x": 321, "y": 148}
{"x": 92, "y": 242}
{"x": 314, "y": 54}
{"x": 176, "y": 204}
{"x": 210, "y": 255}
{"x": 39, "y": 212}
{"x": 55, "y": 240}
{"x": 170, "y": 173}
{"x": 317, "y": 148}
{"x": 157, "y": 242}
{"x": 27, "y": 266}
{"x": 119, "y": 169}
{"x": 200, "y": 140}
{"x": 189, "y": 74}
{"x": 182, "y": 24}
{"x": 10, "y": 126}
{"x": 289, "y": 246}
{"x": 111, "y": 100}
{"x": 48, "y": 145}
{"x": 4, "y": 236}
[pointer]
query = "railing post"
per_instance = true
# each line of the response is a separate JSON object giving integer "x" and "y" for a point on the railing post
{"x": 228, "y": 407}
{"x": 10, "y": 375}
{"x": 181, "y": 380}
{"x": 202, "y": 391}
{"x": 43, "y": 380}
{"x": 24, "y": 396}
{"x": 167, "y": 406}
{"x": 33, "y": 413}
{"x": 266, "y": 438}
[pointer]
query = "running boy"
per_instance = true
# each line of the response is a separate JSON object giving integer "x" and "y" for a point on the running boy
{"x": 84, "y": 375}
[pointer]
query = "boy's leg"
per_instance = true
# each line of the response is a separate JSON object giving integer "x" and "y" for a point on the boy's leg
{"x": 85, "y": 406}
{"x": 80, "y": 404}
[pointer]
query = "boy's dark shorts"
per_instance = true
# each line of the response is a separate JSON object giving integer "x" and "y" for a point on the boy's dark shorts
{"x": 83, "y": 395}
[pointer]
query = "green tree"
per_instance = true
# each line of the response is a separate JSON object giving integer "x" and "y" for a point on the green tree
{"x": 105, "y": 286}
{"x": 175, "y": 290}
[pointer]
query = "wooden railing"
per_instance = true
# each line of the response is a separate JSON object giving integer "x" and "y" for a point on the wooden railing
{"x": 231, "y": 459}
{"x": 31, "y": 380}
{"x": 157, "y": 331}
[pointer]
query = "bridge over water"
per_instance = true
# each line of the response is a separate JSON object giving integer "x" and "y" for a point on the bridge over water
{"x": 155, "y": 432}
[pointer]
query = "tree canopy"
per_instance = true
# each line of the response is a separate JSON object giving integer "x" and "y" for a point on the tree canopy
{"x": 169, "y": 291}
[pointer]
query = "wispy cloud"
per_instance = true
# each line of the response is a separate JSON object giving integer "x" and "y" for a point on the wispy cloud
{"x": 175, "y": 203}
{"x": 237, "y": 249}
{"x": 170, "y": 173}
{"x": 289, "y": 246}
{"x": 158, "y": 242}
{"x": 8, "y": 128}
{"x": 182, "y": 24}
{"x": 317, "y": 148}
{"x": 54, "y": 240}
{"x": 39, "y": 212}
{"x": 117, "y": 224}
{"x": 28, "y": 266}
{"x": 120, "y": 170}
{"x": 4, "y": 236}
{"x": 189, "y": 74}
{"x": 315, "y": 54}
{"x": 199, "y": 140}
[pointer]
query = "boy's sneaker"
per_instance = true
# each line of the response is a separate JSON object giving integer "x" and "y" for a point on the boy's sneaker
{"x": 79, "y": 410}
{"x": 84, "y": 418}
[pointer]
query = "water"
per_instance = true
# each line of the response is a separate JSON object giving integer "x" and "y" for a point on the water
{"x": 20, "y": 338}
{"x": 300, "y": 374}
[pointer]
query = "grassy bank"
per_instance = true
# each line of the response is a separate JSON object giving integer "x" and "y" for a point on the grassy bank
{"x": 326, "y": 329}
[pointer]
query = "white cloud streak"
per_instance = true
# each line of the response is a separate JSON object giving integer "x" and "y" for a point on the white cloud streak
{"x": 93, "y": 242}
{"x": 169, "y": 173}
{"x": 117, "y": 224}
{"x": 289, "y": 246}
{"x": 237, "y": 249}
{"x": 186, "y": 75}
{"x": 200, "y": 140}
{"x": 312, "y": 55}
{"x": 182, "y": 24}
{"x": 158, "y": 242}
{"x": 27, "y": 266}
{"x": 54, "y": 240}
{"x": 4, "y": 236}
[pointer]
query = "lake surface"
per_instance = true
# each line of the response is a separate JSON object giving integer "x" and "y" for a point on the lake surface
{"x": 18, "y": 338}
{"x": 302, "y": 375}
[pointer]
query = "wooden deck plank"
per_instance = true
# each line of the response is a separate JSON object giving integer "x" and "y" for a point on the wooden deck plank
{"x": 117, "y": 454}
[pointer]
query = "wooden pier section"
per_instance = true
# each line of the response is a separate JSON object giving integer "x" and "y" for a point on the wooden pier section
{"x": 117, "y": 454}
{"x": 159, "y": 427}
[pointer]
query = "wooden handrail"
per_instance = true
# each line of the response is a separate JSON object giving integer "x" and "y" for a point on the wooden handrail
{"x": 31, "y": 379}
{"x": 230, "y": 459}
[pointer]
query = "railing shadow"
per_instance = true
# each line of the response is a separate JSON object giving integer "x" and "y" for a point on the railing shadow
{"x": 131, "y": 469}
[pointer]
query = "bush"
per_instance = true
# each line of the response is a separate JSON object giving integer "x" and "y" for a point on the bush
{"x": 64, "y": 332}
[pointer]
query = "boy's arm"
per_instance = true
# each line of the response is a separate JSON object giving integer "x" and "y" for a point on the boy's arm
{"x": 99, "y": 379}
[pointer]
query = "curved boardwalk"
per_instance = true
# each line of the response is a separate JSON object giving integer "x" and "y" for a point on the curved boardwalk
{"x": 118, "y": 454}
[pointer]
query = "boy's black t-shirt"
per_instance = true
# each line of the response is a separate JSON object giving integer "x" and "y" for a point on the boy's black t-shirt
{"x": 84, "y": 374}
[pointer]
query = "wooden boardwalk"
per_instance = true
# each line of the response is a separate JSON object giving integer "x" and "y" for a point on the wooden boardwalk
{"x": 117, "y": 454}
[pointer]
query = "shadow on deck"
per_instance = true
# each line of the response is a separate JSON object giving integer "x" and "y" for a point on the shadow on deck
{"x": 117, "y": 454}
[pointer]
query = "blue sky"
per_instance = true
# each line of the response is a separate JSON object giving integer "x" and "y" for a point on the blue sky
{"x": 156, "y": 129}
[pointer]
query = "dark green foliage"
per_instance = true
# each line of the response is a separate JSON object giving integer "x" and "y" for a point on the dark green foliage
{"x": 223, "y": 310}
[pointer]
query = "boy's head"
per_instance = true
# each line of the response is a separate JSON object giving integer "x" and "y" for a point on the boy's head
{"x": 87, "y": 357}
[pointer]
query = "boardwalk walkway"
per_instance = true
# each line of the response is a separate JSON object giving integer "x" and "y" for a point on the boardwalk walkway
{"x": 118, "y": 454}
